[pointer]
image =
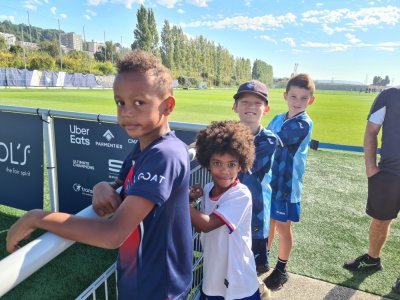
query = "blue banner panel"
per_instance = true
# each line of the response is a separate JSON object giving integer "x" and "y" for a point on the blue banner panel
{"x": 21, "y": 161}
{"x": 3, "y": 81}
{"x": 87, "y": 152}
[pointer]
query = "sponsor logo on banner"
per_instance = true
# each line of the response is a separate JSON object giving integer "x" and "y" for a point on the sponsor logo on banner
{"x": 79, "y": 135}
{"x": 114, "y": 166}
{"x": 108, "y": 136}
{"x": 132, "y": 141}
{"x": 17, "y": 155}
{"x": 78, "y": 188}
{"x": 76, "y": 163}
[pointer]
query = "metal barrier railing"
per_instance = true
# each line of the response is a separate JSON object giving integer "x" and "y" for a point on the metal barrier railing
{"x": 198, "y": 175}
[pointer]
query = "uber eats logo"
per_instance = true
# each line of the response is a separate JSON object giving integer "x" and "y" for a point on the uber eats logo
{"x": 79, "y": 135}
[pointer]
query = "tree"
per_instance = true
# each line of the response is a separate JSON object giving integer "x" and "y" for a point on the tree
{"x": 142, "y": 33}
{"x": 167, "y": 46}
{"x": 17, "y": 49}
{"x": 50, "y": 47}
{"x": 153, "y": 33}
{"x": 378, "y": 80}
{"x": 3, "y": 44}
{"x": 41, "y": 62}
{"x": 262, "y": 72}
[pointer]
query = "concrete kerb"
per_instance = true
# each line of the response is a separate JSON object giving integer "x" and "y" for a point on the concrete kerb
{"x": 305, "y": 288}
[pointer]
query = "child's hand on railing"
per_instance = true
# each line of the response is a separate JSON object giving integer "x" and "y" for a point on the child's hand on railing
{"x": 196, "y": 191}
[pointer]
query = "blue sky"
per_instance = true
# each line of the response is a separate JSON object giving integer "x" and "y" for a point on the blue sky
{"x": 341, "y": 40}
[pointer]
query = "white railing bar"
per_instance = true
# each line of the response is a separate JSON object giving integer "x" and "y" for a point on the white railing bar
{"x": 19, "y": 265}
{"x": 90, "y": 116}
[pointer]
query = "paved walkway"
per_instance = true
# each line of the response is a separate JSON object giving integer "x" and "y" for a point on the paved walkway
{"x": 305, "y": 288}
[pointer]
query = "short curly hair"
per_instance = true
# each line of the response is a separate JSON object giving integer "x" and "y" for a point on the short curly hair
{"x": 226, "y": 137}
{"x": 146, "y": 63}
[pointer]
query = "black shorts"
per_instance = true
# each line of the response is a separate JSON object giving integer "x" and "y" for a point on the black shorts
{"x": 383, "y": 196}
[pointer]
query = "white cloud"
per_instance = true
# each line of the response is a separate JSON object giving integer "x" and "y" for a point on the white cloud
{"x": 352, "y": 38}
{"x": 96, "y": 2}
{"x": 128, "y": 3}
{"x": 53, "y": 10}
{"x": 180, "y": 11}
{"x": 371, "y": 3}
{"x": 319, "y": 4}
{"x": 290, "y": 41}
{"x": 386, "y": 49}
{"x": 247, "y": 2}
{"x": 268, "y": 39}
{"x": 331, "y": 30}
{"x": 199, "y": 3}
{"x": 91, "y": 12}
{"x": 63, "y": 16}
{"x": 32, "y": 4}
{"x": 9, "y": 18}
{"x": 331, "y": 47}
{"x": 266, "y": 22}
{"x": 364, "y": 17}
{"x": 168, "y": 3}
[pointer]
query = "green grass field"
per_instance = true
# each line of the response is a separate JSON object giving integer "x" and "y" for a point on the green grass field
{"x": 333, "y": 227}
{"x": 339, "y": 117}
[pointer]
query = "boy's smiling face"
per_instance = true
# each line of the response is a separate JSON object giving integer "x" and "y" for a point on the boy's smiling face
{"x": 142, "y": 112}
{"x": 224, "y": 170}
{"x": 250, "y": 108}
{"x": 298, "y": 99}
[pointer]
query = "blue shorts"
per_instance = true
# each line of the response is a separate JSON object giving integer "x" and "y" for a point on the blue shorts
{"x": 255, "y": 296}
{"x": 284, "y": 211}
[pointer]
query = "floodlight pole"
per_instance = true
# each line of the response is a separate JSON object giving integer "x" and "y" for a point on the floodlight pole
{"x": 105, "y": 47}
{"x": 59, "y": 41}
{"x": 23, "y": 45}
{"x": 29, "y": 23}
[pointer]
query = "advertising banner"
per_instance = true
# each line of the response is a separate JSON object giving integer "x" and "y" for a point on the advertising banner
{"x": 21, "y": 160}
{"x": 87, "y": 152}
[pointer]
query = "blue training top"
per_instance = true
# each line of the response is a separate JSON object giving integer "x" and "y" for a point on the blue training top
{"x": 155, "y": 262}
{"x": 289, "y": 164}
{"x": 258, "y": 182}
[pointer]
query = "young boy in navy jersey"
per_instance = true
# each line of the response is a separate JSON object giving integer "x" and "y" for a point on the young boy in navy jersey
{"x": 151, "y": 221}
{"x": 251, "y": 104}
{"x": 224, "y": 219}
{"x": 293, "y": 130}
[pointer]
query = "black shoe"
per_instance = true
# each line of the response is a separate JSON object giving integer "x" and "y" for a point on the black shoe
{"x": 363, "y": 263}
{"x": 396, "y": 286}
{"x": 261, "y": 269}
{"x": 276, "y": 280}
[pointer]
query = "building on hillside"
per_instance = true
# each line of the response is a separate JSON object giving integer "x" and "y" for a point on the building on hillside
{"x": 72, "y": 41}
{"x": 94, "y": 47}
{"x": 9, "y": 38}
{"x": 27, "y": 45}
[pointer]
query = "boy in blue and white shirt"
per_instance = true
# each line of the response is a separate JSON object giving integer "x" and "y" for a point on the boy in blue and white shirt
{"x": 293, "y": 130}
{"x": 251, "y": 104}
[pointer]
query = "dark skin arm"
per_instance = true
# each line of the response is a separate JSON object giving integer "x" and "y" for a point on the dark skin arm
{"x": 204, "y": 223}
{"x": 105, "y": 233}
{"x": 105, "y": 199}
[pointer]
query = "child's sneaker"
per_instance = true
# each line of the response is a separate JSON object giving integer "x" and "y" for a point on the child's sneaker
{"x": 276, "y": 280}
{"x": 363, "y": 263}
{"x": 396, "y": 286}
{"x": 261, "y": 269}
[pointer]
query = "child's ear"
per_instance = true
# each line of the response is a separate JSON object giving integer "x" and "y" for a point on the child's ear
{"x": 169, "y": 105}
{"x": 266, "y": 109}
{"x": 234, "y": 107}
{"x": 311, "y": 101}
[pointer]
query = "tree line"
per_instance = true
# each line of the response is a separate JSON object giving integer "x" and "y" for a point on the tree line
{"x": 195, "y": 60}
